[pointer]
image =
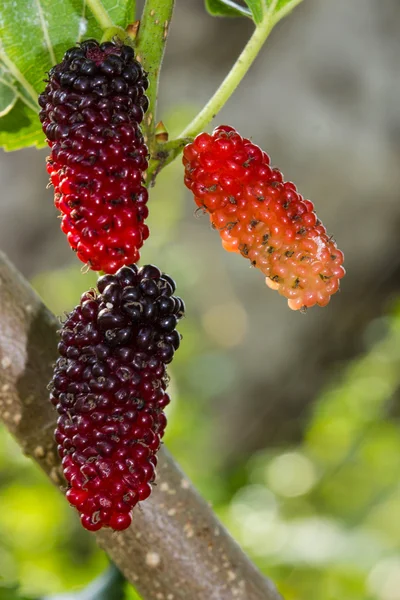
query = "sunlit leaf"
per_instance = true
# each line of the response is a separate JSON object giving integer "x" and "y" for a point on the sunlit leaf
{"x": 8, "y": 94}
{"x": 20, "y": 128}
{"x": 282, "y": 6}
{"x": 226, "y": 8}
{"x": 257, "y": 10}
{"x": 10, "y": 592}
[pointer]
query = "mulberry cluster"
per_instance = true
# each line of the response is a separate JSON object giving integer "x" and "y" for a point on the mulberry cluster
{"x": 262, "y": 217}
{"x": 91, "y": 110}
{"x": 109, "y": 388}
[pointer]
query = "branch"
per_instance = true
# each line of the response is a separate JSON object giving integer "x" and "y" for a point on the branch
{"x": 175, "y": 547}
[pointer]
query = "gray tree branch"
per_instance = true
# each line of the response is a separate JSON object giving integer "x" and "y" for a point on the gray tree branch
{"x": 175, "y": 548}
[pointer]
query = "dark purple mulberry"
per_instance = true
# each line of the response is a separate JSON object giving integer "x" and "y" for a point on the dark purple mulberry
{"x": 109, "y": 388}
{"x": 91, "y": 112}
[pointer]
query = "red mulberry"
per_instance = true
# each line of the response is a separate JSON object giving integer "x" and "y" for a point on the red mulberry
{"x": 91, "y": 112}
{"x": 262, "y": 217}
{"x": 109, "y": 388}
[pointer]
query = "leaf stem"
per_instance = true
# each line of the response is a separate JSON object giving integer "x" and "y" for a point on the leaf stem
{"x": 232, "y": 80}
{"x": 163, "y": 155}
{"x": 285, "y": 10}
{"x": 100, "y": 14}
{"x": 270, "y": 8}
{"x": 115, "y": 32}
{"x": 151, "y": 40}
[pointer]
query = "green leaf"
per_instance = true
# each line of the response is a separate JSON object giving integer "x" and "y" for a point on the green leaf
{"x": 10, "y": 592}
{"x": 281, "y": 8}
{"x": 8, "y": 94}
{"x": 34, "y": 34}
{"x": 229, "y": 8}
{"x": 280, "y": 4}
{"x": 21, "y": 128}
{"x": 8, "y": 99}
{"x": 257, "y": 10}
{"x": 109, "y": 586}
{"x": 226, "y": 8}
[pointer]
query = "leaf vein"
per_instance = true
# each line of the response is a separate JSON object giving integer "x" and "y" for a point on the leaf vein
{"x": 46, "y": 32}
{"x": 16, "y": 73}
{"x": 17, "y": 94}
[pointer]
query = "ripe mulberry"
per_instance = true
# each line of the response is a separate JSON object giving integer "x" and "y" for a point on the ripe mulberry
{"x": 263, "y": 217}
{"x": 109, "y": 388}
{"x": 91, "y": 110}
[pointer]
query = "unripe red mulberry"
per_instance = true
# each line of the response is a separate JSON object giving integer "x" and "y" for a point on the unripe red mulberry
{"x": 91, "y": 112}
{"x": 109, "y": 388}
{"x": 262, "y": 217}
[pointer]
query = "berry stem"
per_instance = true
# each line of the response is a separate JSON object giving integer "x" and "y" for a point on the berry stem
{"x": 115, "y": 32}
{"x": 164, "y": 154}
{"x": 100, "y": 14}
{"x": 232, "y": 80}
{"x": 151, "y": 40}
{"x": 286, "y": 10}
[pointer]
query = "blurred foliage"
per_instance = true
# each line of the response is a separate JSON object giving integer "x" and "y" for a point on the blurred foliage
{"x": 321, "y": 518}
{"x": 110, "y": 585}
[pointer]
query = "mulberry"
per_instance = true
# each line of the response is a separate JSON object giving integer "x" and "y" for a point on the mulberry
{"x": 91, "y": 110}
{"x": 262, "y": 217}
{"x": 109, "y": 388}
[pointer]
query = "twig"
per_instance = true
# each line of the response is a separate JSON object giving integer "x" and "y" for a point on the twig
{"x": 175, "y": 547}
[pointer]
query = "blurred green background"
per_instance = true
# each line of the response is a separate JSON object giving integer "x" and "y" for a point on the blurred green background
{"x": 288, "y": 424}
